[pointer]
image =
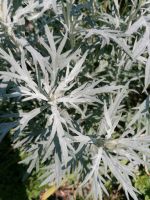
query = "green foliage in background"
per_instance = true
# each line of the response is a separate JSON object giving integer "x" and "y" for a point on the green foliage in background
{"x": 142, "y": 183}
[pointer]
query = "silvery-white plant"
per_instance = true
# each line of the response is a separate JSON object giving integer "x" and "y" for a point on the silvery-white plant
{"x": 71, "y": 115}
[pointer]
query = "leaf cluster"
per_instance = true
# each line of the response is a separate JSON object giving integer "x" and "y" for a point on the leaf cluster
{"x": 78, "y": 88}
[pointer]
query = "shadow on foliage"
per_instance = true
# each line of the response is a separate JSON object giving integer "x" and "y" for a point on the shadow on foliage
{"x": 11, "y": 185}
